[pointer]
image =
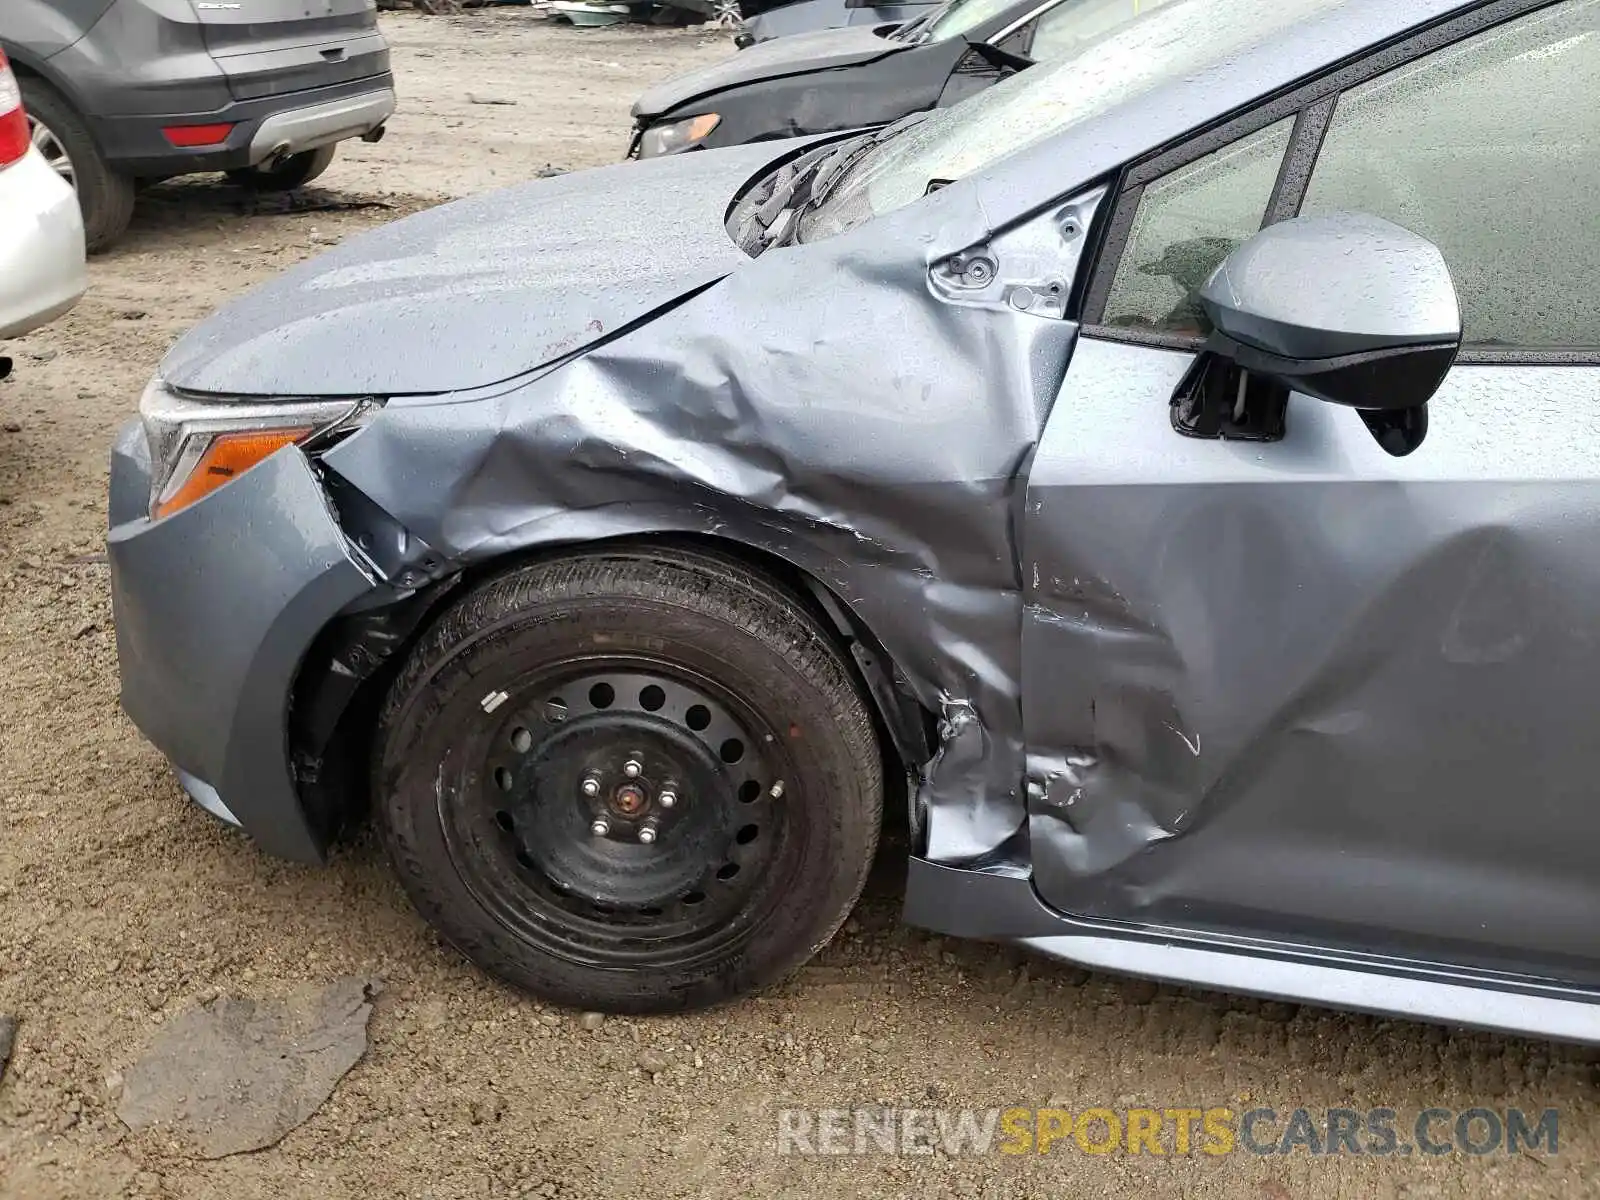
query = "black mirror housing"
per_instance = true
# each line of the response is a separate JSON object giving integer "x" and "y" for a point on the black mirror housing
{"x": 1348, "y": 308}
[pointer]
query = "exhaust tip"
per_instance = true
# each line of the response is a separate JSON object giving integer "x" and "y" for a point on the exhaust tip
{"x": 375, "y": 135}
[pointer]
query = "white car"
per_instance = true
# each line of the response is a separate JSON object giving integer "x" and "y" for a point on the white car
{"x": 42, "y": 270}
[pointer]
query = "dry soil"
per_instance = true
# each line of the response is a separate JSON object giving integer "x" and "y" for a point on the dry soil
{"x": 121, "y": 905}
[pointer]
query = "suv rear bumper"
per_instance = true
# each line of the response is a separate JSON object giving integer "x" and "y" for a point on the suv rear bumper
{"x": 283, "y": 124}
{"x": 320, "y": 125}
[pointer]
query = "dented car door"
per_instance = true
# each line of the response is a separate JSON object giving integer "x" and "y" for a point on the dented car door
{"x": 1298, "y": 684}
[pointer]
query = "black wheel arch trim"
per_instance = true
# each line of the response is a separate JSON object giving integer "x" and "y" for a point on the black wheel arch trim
{"x": 339, "y": 686}
{"x": 25, "y": 62}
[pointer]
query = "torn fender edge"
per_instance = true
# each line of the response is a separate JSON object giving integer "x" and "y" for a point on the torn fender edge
{"x": 885, "y": 468}
{"x": 209, "y": 683}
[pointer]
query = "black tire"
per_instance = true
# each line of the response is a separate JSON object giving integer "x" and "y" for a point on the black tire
{"x": 295, "y": 171}
{"x": 104, "y": 194}
{"x": 704, "y": 625}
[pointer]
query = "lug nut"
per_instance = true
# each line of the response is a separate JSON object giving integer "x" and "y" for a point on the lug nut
{"x": 601, "y": 827}
{"x": 632, "y": 768}
{"x": 647, "y": 832}
{"x": 591, "y": 786}
{"x": 667, "y": 798}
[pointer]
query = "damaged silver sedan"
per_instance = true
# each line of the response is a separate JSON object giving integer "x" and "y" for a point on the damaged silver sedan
{"x": 1172, "y": 476}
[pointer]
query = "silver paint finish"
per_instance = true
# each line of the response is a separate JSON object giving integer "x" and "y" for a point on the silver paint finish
{"x": 823, "y": 438}
{"x": 1510, "y": 1010}
{"x": 1163, "y": 112}
{"x": 1377, "y": 285}
{"x": 478, "y": 291}
{"x": 215, "y": 607}
{"x": 1179, "y": 685}
{"x": 1257, "y": 675}
{"x": 1000, "y": 901}
{"x": 516, "y": 278}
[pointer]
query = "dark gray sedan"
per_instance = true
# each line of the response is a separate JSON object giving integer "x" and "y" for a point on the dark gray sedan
{"x": 843, "y": 79}
{"x": 1172, "y": 478}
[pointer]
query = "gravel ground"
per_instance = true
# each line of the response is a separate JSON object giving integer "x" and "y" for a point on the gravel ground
{"x": 122, "y": 906}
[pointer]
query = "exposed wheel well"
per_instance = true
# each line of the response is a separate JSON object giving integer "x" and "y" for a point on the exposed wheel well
{"x": 334, "y": 779}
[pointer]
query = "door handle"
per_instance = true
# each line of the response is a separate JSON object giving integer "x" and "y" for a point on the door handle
{"x": 334, "y": 55}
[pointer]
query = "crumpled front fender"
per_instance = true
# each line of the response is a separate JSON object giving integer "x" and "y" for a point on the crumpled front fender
{"x": 823, "y": 404}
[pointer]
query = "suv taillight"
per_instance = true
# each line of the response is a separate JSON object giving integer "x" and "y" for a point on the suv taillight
{"x": 13, "y": 121}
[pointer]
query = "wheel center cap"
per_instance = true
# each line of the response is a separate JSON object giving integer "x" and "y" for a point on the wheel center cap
{"x": 629, "y": 800}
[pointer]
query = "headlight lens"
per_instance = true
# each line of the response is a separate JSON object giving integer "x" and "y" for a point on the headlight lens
{"x": 198, "y": 445}
{"x": 677, "y": 135}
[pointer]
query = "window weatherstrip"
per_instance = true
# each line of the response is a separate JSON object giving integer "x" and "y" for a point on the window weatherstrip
{"x": 1115, "y": 242}
{"x": 1294, "y": 174}
{"x": 1299, "y": 101}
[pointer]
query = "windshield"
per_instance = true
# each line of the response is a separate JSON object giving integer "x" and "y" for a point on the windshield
{"x": 959, "y": 18}
{"x": 1178, "y": 39}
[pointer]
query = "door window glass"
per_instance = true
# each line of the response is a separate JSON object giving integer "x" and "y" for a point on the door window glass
{"x": 1187, "y": 223}
{"x": 960, "y": 17}
{"x": 1491, "y": 150}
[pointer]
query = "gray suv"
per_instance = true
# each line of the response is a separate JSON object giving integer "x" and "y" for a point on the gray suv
{"x": 124, "y": 92}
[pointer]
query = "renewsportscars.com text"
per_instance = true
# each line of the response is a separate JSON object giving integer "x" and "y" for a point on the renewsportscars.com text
{"x": 1176, "y": 1131}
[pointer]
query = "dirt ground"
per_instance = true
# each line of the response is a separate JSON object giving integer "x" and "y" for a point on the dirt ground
{"x": 122, "y": 906}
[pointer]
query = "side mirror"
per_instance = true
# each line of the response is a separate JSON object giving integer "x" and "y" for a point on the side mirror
{"x": 1348, "y": 308}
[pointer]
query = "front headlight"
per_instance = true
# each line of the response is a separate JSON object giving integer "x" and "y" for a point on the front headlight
{"x": 197, "y": 445}
{"x": 677, "y": 135}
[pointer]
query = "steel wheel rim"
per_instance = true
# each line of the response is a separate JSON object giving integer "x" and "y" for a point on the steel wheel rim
{"x": 52, "y": 149}
{"x": 520, "y": 826}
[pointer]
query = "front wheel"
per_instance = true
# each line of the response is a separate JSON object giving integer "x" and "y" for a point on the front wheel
{"x": 289, "y": 173}
{"x": 630, "y": 781}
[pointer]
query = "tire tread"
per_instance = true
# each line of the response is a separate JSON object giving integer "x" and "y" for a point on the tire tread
{"x": 701, "y": 583}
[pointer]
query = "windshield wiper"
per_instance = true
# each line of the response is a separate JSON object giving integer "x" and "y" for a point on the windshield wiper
{"x": 835, "y": 167}
{"x": 796, "y": 191}
{"x": 809, "y": 189}
{"x": 903, "y": 34}
{"x": 793, "y": 188}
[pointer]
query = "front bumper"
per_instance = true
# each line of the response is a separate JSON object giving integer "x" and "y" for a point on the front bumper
{"x": 263, "y": 128}
{"x": 42, "y": 270}
{"x": 216, "y": 607}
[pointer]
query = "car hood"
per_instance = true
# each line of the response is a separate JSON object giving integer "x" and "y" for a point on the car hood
{"x": 480, "y": 290}
{"x": 794, "y": 55}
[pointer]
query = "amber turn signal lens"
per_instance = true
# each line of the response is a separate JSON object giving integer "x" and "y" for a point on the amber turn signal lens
{"x": 227, "y": 457}
{"x": 701, "y": 127}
